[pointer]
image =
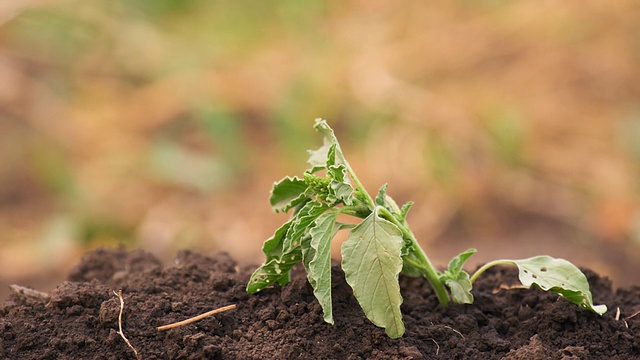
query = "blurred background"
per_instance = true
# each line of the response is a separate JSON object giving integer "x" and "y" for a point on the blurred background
{"x": 162, "y": 124}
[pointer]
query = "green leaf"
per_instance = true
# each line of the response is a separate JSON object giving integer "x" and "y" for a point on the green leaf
{"x": 386, "y": 201}
{"x": 331, "y": 154}
{"x": 558, "y": 276}
{"x": 405, "y": 210}
{"x": 410, "y": 262}
{"x": 410, "y": 270}
{"x": 272, "y": 247}
{"x": 340, "y": 189}
{"x": 301, "y": 222}
{"x": 458, "y": 280}
{"x": 288, "y": 193}
{"x": 371, "y": 260}
{"x": 323, "y": 127}
{"x": 308, "y": 253}
{"x": 318, "y": 158}
{"x": 283, "y": 250}
{"x": 382, "y": 195}
{"x": 318, "y": 263}
{"x": 455, "y": 265}
{"x": 274, "y": 270}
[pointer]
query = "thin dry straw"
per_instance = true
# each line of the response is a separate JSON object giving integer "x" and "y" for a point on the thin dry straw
{"x": 196, "y": 318}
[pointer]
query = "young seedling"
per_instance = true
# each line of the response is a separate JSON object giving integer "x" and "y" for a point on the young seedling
{"x": 378, "y": 248}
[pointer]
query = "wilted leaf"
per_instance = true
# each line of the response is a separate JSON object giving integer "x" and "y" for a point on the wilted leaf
{"x": 371, "y": 260}
{"x": 558, "y": 276}
{"x": 288, "y": 193}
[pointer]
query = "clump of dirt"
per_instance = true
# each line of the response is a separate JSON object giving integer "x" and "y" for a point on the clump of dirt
{"x": 79, "y": 319}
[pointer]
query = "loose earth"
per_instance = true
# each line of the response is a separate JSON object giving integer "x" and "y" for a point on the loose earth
{"x": 79, "y": 318}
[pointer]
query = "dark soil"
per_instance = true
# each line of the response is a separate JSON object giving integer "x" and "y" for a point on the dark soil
{"x": 79, "y": 319}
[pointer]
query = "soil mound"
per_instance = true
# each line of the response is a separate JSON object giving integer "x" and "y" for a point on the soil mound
{"x": 79, "y": 319}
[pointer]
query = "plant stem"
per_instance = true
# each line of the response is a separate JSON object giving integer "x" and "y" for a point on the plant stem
{"x": 428, "y": 270}
{"x": 430, "y": 273}
{"x": 424, "y": 264}
{"x": 359, "y": 185}
{"x": 488, "y": 265}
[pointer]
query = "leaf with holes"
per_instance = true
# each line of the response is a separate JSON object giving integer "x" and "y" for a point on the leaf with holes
{"x": 558, "y": 276}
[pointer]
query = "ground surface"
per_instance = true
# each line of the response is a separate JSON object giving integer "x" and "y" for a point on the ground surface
{"x": 79, "y": 318}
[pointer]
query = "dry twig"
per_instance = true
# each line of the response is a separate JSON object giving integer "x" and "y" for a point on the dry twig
{"x": 437, "y": 346}
{"x": 455, "y": 331}
{"x": 120, "y": 332}
{"x": 28, "y": 292}
{"x": 196, "y": 318}
{"x": 633, "y": 315}
{"x": 508, "y": 287}
{"x": 626, "y": 324}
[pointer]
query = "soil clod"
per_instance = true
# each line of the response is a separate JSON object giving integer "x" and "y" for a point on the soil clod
{"x": 77, "y": 319}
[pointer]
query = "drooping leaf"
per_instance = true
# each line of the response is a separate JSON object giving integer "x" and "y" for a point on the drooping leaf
{"x": 318, "y": 158}
{"x": 272, "y": 247}
{"x": 323, "y": 127}
{"x": 288, "y": 193}
{"x": 308, "y": 253}
{"x": 558, "y": 276}
{"x": 371, "y": 260}
{"x": 319, "y": 265}
{"x": 274, "y": 270}
{"x": 457, "y": 280}
{"x": 303, "y": 219}
{"x": 323, "y": 158}
{"x": 283, "y": 250}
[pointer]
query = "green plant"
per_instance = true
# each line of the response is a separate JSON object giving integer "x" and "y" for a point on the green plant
{"x": 378, "y": 248}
